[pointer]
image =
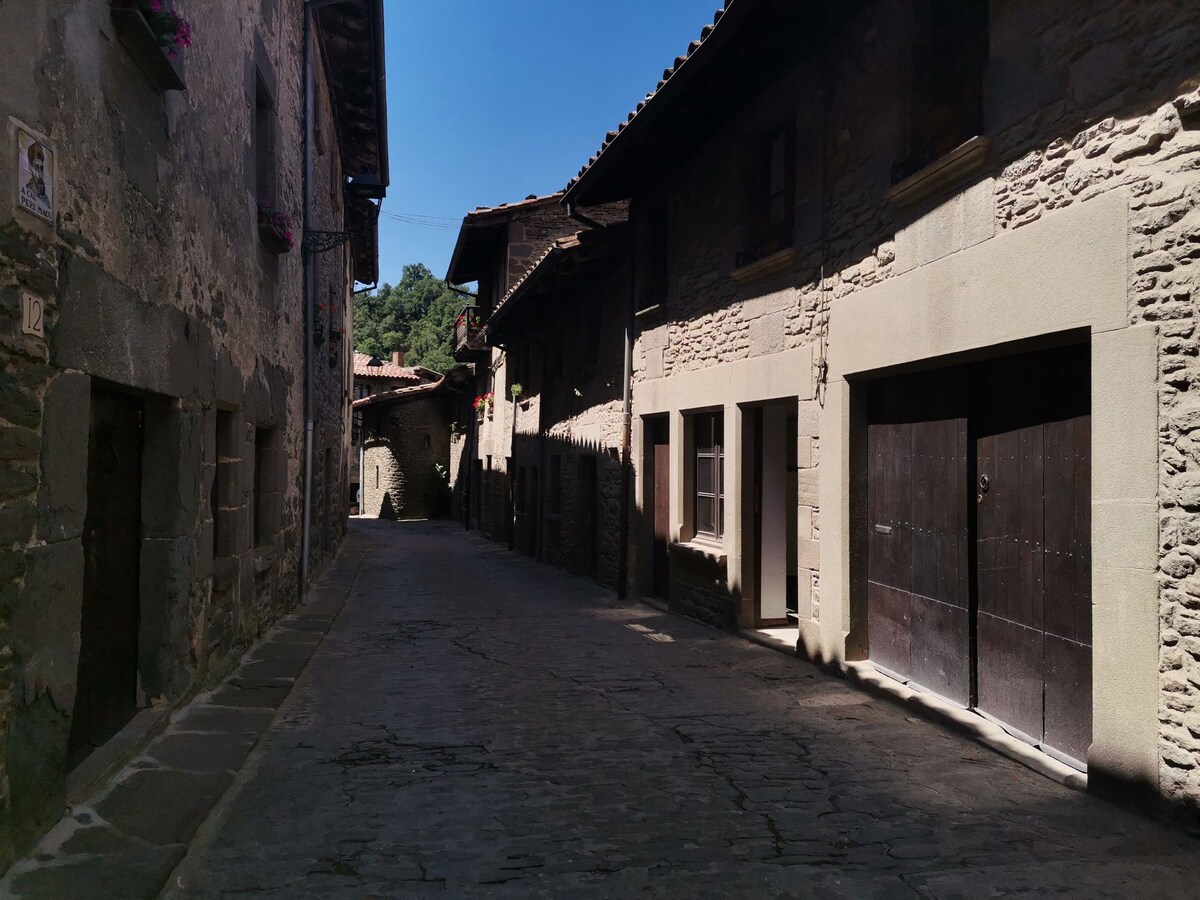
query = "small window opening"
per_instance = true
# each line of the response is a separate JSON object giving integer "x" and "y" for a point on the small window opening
{"x": 264, "y": 144}
{"x": 950, "y": 54}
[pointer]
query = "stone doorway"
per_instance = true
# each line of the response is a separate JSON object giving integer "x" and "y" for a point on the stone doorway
{"x": 107, "y": 682}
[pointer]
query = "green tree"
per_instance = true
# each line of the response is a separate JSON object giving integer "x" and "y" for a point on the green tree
{"x": 418, "y": 313}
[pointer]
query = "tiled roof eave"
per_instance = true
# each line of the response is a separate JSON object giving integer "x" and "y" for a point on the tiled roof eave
{"x": 668, "y": 80}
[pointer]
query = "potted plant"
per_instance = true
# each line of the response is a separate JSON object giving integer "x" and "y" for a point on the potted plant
{"x": 156, "y": 35}
{"x": 275, "y": 229}
{"x": 483, "y": 404}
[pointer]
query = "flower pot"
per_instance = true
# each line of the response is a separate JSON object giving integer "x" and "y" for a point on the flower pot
{"x": 136, "y": 36}
{"x": 273, "y": 238}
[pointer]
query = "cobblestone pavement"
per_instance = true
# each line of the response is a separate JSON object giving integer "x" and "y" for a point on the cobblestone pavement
{"x": 475, "y": 724}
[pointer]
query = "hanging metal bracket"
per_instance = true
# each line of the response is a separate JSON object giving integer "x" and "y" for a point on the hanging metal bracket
{"x": 320, "y": 241}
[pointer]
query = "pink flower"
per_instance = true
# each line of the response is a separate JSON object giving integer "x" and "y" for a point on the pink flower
{"x": 156, "y": 5}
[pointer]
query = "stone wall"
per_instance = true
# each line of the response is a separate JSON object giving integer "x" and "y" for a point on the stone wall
{"x": 156, "y": 286}
{"x": 405, "y": 442}
{"x": 1076, "y": 106}
{"x": 577, "y": 408}
{"x": 333, "y": 360}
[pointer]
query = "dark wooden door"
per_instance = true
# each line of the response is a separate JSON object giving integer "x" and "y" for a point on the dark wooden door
{"x": 755, "y": 582}
{"x": 918, "y": 589}
{"x": 586, "y": 515}
{"x": 533, "y": 513}
{"x": 660, "y": 508}
{"x": 793, "y": 582}
{"x": 476, "y": 512}
{"x": 106, "y": 693}
{"x": 520, "y": 489}
{"x": 1033, "y": 548}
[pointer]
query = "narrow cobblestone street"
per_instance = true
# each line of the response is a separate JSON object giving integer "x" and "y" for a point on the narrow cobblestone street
{"x": 475, "y": 724}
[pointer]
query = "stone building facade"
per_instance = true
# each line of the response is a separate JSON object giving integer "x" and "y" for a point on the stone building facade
{"x": 402, "y": 439}
{"x": 496, "y": 246}
{"x": 923, "y": 266}
{"x": 565, "y": 358}
{"x": 375, "y": 376}
{"x": 540, "y": 469}
{"x": 153, "y": 356}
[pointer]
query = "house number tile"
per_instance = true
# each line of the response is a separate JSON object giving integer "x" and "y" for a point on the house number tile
{"x": 33, "y": 315}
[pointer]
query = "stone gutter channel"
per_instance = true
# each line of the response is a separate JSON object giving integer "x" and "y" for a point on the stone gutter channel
{"x": 123, "y": 840}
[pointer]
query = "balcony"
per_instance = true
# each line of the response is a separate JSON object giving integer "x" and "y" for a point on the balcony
{"x": 468, "y": 334}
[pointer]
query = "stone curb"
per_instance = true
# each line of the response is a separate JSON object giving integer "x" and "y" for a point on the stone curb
{"x": 965, "y": 722}
{"x": 123, "y": 841}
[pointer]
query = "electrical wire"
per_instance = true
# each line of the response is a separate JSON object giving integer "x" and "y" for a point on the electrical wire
{"x": 423, "y": 221}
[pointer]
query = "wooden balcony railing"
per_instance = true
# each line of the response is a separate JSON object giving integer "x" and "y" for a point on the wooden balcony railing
{"x": 468, "y": 330}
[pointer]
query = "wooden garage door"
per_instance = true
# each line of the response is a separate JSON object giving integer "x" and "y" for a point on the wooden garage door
{"x": 994, "y": 458}
{"x": 917, "y": 540}
{"x": 1033, "y": 545}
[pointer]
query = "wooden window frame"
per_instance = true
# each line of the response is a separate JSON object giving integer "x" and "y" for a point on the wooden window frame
{"x": 949, "y": 62}
{"x": 708, "y": 448}
{"x": 655, "y": 261}
{"x": 776, "y": 236}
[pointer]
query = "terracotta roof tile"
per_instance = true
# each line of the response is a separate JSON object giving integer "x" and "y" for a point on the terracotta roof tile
{"x": 400, "y": 394}
{"x": 531, "y": 200}
{"x": 387, "y": 370}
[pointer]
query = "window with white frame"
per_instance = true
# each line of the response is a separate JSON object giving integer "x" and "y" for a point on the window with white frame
{"x": 708, "y": 437}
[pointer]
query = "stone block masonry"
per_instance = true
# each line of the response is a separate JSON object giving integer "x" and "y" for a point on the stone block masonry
{"x": 1083, "y": 116}
{"x": 160, "y": 297}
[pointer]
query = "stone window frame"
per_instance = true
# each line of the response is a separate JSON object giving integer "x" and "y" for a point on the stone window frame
{"x": 263, "y": 93}
{"x": 731, "y": 387}
{"x": 226, "y": 489}
{"x": 269, "y": 480}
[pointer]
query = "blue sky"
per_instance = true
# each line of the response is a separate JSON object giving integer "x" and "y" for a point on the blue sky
{"x": 492, "y": 100}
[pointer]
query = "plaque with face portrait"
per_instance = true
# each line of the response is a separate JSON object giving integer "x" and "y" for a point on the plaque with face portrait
{"x": 35, "y": 175}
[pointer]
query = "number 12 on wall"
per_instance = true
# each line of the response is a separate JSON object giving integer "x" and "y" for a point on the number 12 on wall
{"x": 33, "y": 315}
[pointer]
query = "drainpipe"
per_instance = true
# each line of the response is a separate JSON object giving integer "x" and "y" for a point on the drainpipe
{"x": 626, "y": 409}
{"x": 626, "y": 436}
{"x": 541, "y": 470}
{"x": 309, "y": 292}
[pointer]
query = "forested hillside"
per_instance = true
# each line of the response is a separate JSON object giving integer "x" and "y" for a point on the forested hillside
{"x": 418, "y": 314}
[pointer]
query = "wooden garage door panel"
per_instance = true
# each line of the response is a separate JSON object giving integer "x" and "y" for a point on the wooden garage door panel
{"x": 939, "y": 511}
{"x": 1068, "y": 561}
{"x": 1068, "y": 715}
{"x": 889, "y": 628}
{"x": 939, "y": 650}
{"x": 1010, "y": 531}
{"x": 889, "y": 538}
{"x": 1010, "y": 674}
